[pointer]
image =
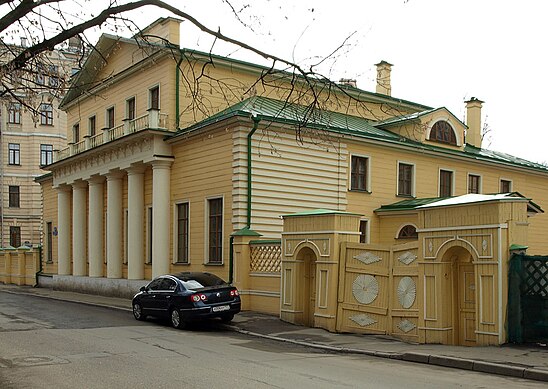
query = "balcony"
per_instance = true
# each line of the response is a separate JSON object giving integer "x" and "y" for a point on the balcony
{"x": 152, "y": 120}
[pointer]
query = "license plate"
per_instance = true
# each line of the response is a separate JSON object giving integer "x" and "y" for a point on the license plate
{"x": 221, "y": 308}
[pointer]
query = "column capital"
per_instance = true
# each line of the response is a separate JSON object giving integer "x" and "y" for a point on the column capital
{"x": 80, "y": 184}
{"x": 96, "y": 180}
{"x": 162, "y": 163}
{"x": 114, "y": 175}
{"x": 136, "y": 169}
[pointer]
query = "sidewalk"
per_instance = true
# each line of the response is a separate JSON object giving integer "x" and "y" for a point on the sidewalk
{"x": 530, "y": 362}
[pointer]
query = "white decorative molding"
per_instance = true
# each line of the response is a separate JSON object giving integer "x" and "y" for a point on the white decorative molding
{"x": 407, "y": 292}
{"x": 407, "y": 258}
{"x": 484, "y": 245}
{"x": 365, "y": 288}
{"x": 430, "y": 246}
{"x": 363, "y": 320}
{"x": 322, "y": 245}
{"x": 367, "y": 258}
{"x": 406, "y": 326}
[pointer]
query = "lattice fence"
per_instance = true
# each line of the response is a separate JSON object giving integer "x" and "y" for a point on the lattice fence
{"x": 266, "y": 257}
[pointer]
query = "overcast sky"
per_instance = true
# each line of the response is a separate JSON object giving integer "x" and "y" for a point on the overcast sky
{"x": 443, "y": 52}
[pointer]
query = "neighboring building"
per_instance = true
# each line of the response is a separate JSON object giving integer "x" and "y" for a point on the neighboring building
{"x": 32, "y": 128}
{"x": 181, "y": 162}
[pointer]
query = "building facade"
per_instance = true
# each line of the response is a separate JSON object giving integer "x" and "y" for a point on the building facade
{"x": 179, "y": 161}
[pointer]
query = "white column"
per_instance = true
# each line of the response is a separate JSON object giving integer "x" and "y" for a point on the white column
{"x": 114, "y": 225}
{"x": 160, "y": 216}
{"x": 63, "y": 231}
{"x": 79, "y": 194}
{"x": 95, "y": 230}
{"x": 136, "y": 223}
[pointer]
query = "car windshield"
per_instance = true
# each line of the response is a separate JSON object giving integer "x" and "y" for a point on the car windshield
{"x": 199, "y": 280}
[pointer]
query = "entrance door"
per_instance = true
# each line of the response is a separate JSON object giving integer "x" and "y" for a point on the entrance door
{"x": 467, "y": 304}
{"x": 310, "y": 287}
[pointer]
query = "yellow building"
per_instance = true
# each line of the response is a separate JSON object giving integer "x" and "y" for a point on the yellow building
{"x": 179, "y": 161}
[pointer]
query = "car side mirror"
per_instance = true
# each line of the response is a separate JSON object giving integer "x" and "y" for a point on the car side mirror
{"x": 143, "y": 289}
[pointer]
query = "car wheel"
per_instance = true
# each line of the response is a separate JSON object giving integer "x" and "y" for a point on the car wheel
{"x": 227, "y": 318}
{"x": 177, "y": 320}
{"x": 138, "y": 312}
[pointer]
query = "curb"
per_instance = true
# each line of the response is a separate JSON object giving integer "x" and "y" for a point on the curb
{"x": 524, "y": 372}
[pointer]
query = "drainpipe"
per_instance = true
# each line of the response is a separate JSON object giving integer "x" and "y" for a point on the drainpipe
{"x": 256, "y": 121}
{"x": 177, "y": 79}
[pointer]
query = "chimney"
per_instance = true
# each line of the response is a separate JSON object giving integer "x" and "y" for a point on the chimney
{"x": 348, "y": 82}
{"x": 473, "y": 121}
{"x": 23, "y": 41}
{"x": 383, "y": 78}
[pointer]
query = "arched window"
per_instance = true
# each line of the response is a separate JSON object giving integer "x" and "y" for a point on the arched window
{"x": 443, "y": 132}
{"x": 408, "y": 232}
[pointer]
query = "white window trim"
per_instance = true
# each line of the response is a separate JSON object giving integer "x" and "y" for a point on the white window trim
{"x": 368, "y": 231}
{"x": 206, "y": 230}
{"x": 506, "y": 179}
{"x": 89, "y": 122}
{"x": 79, "y": 132}
{"x": 127, "y": 106}
{"x": 413, "y": 179}
{"x": 444, "y": 119}
{"x": 480, "y": 182}
{"x": 452, "y": 180}
{"x": 106, "y": 116}
{"x": 159, "y": 94}
{"x": 148, "y": 227}
{"x": 368, "y": 177}
{"x": 404, "y": 225}
{"x": 176, "y": 232}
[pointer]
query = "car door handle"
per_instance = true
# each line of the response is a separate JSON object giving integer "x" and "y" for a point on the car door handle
{"x": 167, "y": 297}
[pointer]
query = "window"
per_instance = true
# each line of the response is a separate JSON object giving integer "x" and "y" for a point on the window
{"x": 364, "y": 236}
{"x": 92, "y": 125}
{"x": 358, "y": 179}
{"x": 182, "y": 233}
{"x": 53, "y": 76}
{"x": 53, "y": 81}
{"x": 13, "y": 197}
{"x": 46, "y": 115}
{"x": 46, "y": 155}
{"x": 110, "y": 117}
{"x": 505, "y": 186}
{"x": 15, "y": 236}
{"x": 14, "y": 113}
{"x": 76, "y": 133}
{"x": 215, "y": 241}
{"x": 473, "y": 183}
{"x": 443, "y": 132}
{"x": 405, "y": 179}
{"x": 49, "y": 242}
{"x": 154, "y": 97}
{"x": 446, "y": 183}
{"x": 130, "y": 108}
{"x": 14, "y": 154}
{"x": 408, "y": 232}
{"x": 149, "y": 235}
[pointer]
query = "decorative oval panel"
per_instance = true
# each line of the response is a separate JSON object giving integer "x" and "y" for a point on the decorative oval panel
{"x": 365, "y": 288}
{"x": 407, "y": 291}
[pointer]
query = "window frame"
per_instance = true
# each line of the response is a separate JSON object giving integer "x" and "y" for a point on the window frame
{"x": 92, "y": 125}
{"x": 412, "y": 180}
{"x": 176, "y": 233}
{"x": 439, "y": 134}
{"x": 151, "y": 90}
{"x": 208, "y": 246}
{"x": 14, "y": 196}
{"x": 365, "y": 239}
{"x": 131, "y": 108}
{"x": 452, "y": 182}
{"x": 46, "y": 154}
{"x": 479, "y": 183}
{"x": 410, "y": 237}
{"x": 14, "y": 113}
{"x": 76, "y": 133}
{"x": 108, "y": 122}
{"x": 510, "y": 185}
{"x": 46, "y": 115}
{"x": 49, "y": 242}
{"x": 14, "y": 154}
{"x": 15, "y": 231}
{"x": 366, "y": 175}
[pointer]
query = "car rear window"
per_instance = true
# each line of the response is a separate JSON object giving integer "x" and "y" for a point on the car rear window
{"x": 200, "y": 280}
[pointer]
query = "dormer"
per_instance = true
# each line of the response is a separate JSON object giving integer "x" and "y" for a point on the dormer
{"x": 438, "y": 127}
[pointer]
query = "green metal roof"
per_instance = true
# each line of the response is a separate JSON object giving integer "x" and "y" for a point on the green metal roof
{"x": 320, "y": 212}
{"x": 407, "y": 205}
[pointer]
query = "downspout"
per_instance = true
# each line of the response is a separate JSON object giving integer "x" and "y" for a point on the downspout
{"x": 256, "y": 121}
{"x": 177, "y": 89}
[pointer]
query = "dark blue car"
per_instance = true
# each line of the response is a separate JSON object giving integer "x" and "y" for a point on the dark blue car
{"x": 185, "y": 297}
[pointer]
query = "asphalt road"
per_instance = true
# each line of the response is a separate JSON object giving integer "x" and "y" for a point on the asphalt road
{"x": 55, "y": 344}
